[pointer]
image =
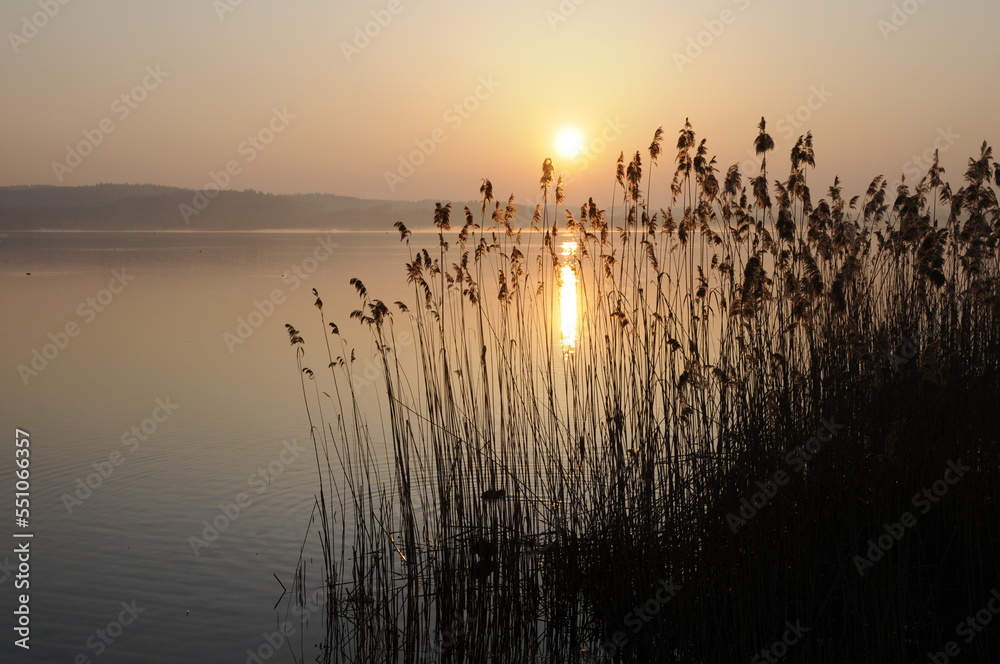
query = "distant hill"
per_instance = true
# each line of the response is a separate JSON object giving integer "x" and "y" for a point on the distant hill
{"x": 125, "y": 207}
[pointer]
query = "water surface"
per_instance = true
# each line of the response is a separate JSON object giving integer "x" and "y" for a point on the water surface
{"x": 238, "y": 426}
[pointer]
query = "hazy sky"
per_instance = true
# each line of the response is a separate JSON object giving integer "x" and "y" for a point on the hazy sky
{"x": 422, "y": 99}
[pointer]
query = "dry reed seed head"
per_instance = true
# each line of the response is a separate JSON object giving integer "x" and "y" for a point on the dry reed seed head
{"x": 497, "y": 216}
{"x": 763, "y": 143}
{"x": 293, "y": 335}
{"x": 686, "y": 137}
{"x": 796, "y": 155}
{"x": 403, "y": 231}
{"x": 486, "y": 191}
{"x": 710, "y": 184}
{"x": 536, "y": 217}
{"x": 654, "y": 147}
{"x": 700, "y": 163}
{"x": 546, "y": 180}
{"x": 760, "y": 189}
{"x": 634, "y": 176}
{"x": 359, "y": 287}
{"x": 594, "y": 215}
{"x": 442, "y": 216}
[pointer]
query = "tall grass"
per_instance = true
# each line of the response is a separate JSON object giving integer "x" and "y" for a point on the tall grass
{"x": 537, "y": 497}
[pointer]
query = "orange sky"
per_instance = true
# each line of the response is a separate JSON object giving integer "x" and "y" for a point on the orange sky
{"x": 421, "y": 100}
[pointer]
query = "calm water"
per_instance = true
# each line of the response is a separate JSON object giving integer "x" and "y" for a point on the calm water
{"x": 161, "y": 341}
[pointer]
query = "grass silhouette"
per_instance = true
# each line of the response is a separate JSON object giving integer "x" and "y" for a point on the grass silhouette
{"x": 760, "y": 387}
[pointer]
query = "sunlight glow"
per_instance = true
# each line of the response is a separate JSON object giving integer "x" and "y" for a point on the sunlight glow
{"x": 568, "y": 298}
{"x": 569, "y": 142}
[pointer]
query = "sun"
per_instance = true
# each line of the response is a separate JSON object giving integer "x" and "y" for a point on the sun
{"x": 569, "y": 142}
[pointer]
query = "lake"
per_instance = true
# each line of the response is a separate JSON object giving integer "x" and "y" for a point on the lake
{"x": 173, "y": 480}
{"x": 154, "y": 375}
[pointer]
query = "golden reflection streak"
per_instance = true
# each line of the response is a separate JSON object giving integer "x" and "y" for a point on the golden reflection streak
{"x": 568, "y": 308}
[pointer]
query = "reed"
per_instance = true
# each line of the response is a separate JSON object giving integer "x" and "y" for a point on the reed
{"x": 520, "y": 500}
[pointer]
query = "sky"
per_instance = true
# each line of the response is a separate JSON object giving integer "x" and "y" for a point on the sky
{"x": 422, "y": 99}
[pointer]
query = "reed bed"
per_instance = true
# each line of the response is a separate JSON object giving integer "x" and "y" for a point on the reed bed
{"x": 759, "y": 386}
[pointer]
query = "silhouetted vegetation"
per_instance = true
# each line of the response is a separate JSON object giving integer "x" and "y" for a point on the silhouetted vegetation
{"x": 763, "y": 385}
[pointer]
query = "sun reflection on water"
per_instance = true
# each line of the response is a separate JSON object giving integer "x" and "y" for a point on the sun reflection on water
{"x": 568, "y": 307}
